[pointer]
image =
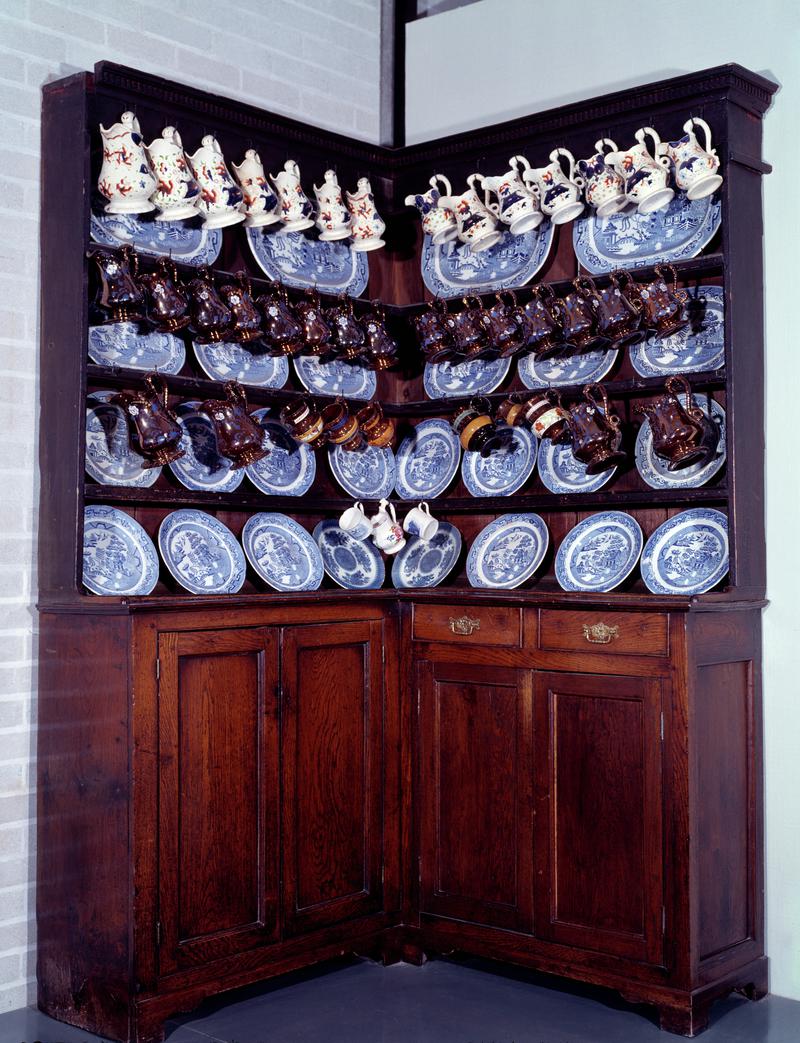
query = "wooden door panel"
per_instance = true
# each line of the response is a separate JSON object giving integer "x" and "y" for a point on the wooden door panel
{"x": 332, "y": 751}
{"x": 474, "y": 794}
{"x": 218, "y": 794}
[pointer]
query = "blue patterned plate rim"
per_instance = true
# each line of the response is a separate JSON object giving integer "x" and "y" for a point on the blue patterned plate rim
{"x": 112, "y": 516}
{"x": 384, "y": 460}
{"x": 224, "y": 536}
{"x": 534, "y": 523}
{"x": 695, "y": 516}
{"x": 348, "y": 379}
{"x": 146, "y": 476}
{"x": 656, "y": 473}
{"x": 488, "y": 376}
{"x": 174, "y": 356}
{"x": 450, "y": 554}
{"x": 273, "y": 369}
{"x": 259, "y": 472}
{"x": 229, "y": 479}
{"x": 686, "y": 344}
{"x": 291, "y": 530}
{"x": 618, "y": 519}
{"x": 195, "y": 245}
{"x": 365, "y": 547}
{"x": 474, "y": 466}
{"x": 575, "y": 369}
{"x": 298, "y": 261}
{"x": 555, "y": 483}
{"x": 406, "y": 457}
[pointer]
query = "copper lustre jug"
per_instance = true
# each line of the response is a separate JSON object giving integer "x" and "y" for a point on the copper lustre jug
{"x": 245, "y": 316}
{"x": 210, "y": 316}
{"x": 156, "y": 431}
{"x": 682, "y": 435}
{"x": 547, "y": 319}
{"x": 596, "y": 432}
{"x": 167, "y": 306}
{"x": 316, "y": 331}
{"x": 283, "y": 334}
{"x": 119, "y": 298}
{"x": 239, "y": 437}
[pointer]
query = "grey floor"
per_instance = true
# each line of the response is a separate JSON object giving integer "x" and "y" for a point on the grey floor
{"x": 470, "y": 1001}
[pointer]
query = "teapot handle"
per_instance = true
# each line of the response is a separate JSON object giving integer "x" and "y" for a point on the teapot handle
{"x": 695, "y": 120}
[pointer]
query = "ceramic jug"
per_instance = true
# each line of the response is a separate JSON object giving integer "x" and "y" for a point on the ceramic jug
{"x": 434, "y": 332}
{"x": 282, "y": 332}
{"x": 665, "y": 309}
{"x": 210, "y": 317}
{"x": 516, "y": 205}
{"x": 316, "y": 331}
{"x": 157, "y": 433}
{"x": 220, "y": 197}
{"x": 296, "y": 208}
{"x": 693, "y": 165}
{"x": 645, "y": 177}
{"x": 167, "y": 306}
{"x": 177, "y": 191}
{"x": 260, "y": 202}
{"x": 559, "y": 194}
{"x": 603, "y": 188}
{"x": 438, "y": 221}
{"x": 596, "y": 433}
{"x": 239, "y": 437}
{"x": 681, "y": 435}
{"x": 119, "y": 299}
{"x": 547, "y": 319}
{"x": 126, "y": 179}
{"x": 506, "y": 324}
{"x": 477, "y": 225}
{"x": 380, "y": 347}
{"x": 246, "y": 318}
{"x": 619, "y": 319}
{"x": 333, "y": 217}
{"x": 366, "y": 224}
{"x": 347, "y": 334}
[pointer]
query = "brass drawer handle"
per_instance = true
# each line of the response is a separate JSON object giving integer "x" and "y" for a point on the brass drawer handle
{"x": 464, "y": 625}
{"x": 600, "y": 633}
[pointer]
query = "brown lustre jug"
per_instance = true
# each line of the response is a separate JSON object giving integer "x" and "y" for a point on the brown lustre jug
{"x": 665, "y": 307}
{"x": 239, "y": 437}
{"x": 547, "y": 319}
{"x": 210, "y": 317}
{"x": 596, "y": 433}
{"x": 347, "y": 333}
{"x": 618, "y": 318}
{"x": 681, "y": 435}
{"x": 119, "y": 299}
{"x": 156, "y": 431}
{"x": 246, "y": 318}
{"x": 167, "y": 306}
{"x": 380, "y": 347}
{"x": 283, "y": 334}
{"x": 434, "y": 333}
{"x": 316, "y": 331}
{"x": 506, "y": 324}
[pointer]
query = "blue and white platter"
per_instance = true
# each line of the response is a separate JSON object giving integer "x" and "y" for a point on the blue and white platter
{"x": 292, "y": 258}
{"x": 289, "y": 468}
{"x": 348, "y": 379}
{"x": 124, "y": 344}
{"x": 366, "y": 474}
{"x": 633, "y": 240}
{"x": 426, "y": 564}
{"x": 503, "y": 471}
{"x": 201, "y": 553}
{"x": 600, "y": 552}
{"x": 118, "y": 556}
{"x": 688, "y": 553}
{"x": 188, "y": 243}
{"x": 697, "y": 348}
{"x": 508, "y": 551}
{"x": 228, "y": 361}
{"x": 202, "y": 468}
{"x": 282, "y": 552}
{"x": 427, "y": 461}
{"x": 656, "y": 472}
{"x": 109, "y": 458}
{"x": 452, "y": 269}
{"x": 587, "y": 368}
{"x": 353, "y": 564}
{"x": 561, "y": 473}
{"x": 459, "y": 379}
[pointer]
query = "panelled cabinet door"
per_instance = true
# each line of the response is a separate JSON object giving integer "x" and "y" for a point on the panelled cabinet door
{"x": 219, "y": 840}
{"x": 332, "y": 791}
{"x": 474, "y": 793}
{"x": 598, "y": 843}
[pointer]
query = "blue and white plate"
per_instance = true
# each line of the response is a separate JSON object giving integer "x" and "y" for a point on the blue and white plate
{"x": 348, "y": 379}
{"x": 697, "y": 348}
{"x": 426, "y": 564}
{"x": 227, "y": 361}
{"x": 118, "y": 556}
{"x": 124, "y": 344}
{"x": 503, "y": 471}
{"x": 587, "y": 368}
{"x": 202, "y": 468}
{"x": 201, "y": 553}
{"x": 289, "y": 468}
{"x": 561, "y": 473}
{"x": 600, "y": 552}
{"x": 461, "y": 379}
{"x": 688, "y": 553}
{"x": 188, "y": 243}
{"x": 656, "y": 472}
{"x": 282, "y": 552}
{"x": 293, "y": 259}
{"x": 633, "y": 240}
{"x": 427, "y": 461}
{"x": 452, "y": 269}
{"x": 109, "y": 458}
{"x": 353, "y": 564}
{"x": 508, "y": 551}
{"x": 366, "y": 474}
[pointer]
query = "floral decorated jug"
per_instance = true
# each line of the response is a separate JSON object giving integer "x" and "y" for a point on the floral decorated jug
{"x": 559, "y": 194}
{"x": 694, "y": 167}
{"x": 220, "y": 197}
{"x": 517, "y": 206}
{"x": 603, "y": 187}
{"x": 438, "y": 220}
{"x": 366, "y": 225}
{"x": 477, "y": 224}
{"x": 333, "y": 217}
{"x": 260, "y": 202}
{"x": 645, "y": 177}
{"x": 295, "y": 206}
{"x": 177, "y": 191}
{"x": 126, "y": 179}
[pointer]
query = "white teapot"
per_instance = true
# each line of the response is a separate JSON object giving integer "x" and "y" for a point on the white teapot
{"x": 295, "y": 206}
{"x": 126, "y": 179}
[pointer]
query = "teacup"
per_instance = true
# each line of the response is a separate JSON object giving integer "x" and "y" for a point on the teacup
{"x": 296, "y": 208}
{"x": 177, "y": 190}
{"x": 210, "y": 316}
{"x": 366, "y": 224}
{"x": 260, "y": 202}
{"x": 118, "y": 298}
{"x": 645, "y": 176}
{"x": 596, "y": 433}
{"x": 511, "y": 410}
{"x": 693, "y": 166}
{"x": 477, "y": 225}
{"x": 157, "y": 431}
{"x": 559, "y": 194}
{"x": 333, "y": 217}
{"x": 516, "y": 205}
{"x": 475, "y": 428}
{"x": 681, "y": 435}
{"x": 618, "y": 318}
{"x": 388, "y": 533}
{"x": 439, "y": 222}
{"x": 167, "y": 306}
{"x": 246, "y": 321}
{"x": 420, "y": 522}
{"x": 355, "y": 522}
{"x": 303, "y": 420}
{"x": 220, "y": 200}
{"x": 603, "y": 187}
{"x": 239, "y": 437}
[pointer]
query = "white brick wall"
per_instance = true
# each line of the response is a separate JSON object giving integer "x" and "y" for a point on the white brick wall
{"x": 317, "y": 60}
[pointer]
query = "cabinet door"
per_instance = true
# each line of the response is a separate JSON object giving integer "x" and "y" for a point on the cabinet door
{"x": 598, "y": 843}
{"x": 474, "y": 793}
{"x": 332, "y": 747}
{"x": 219, "y": 793}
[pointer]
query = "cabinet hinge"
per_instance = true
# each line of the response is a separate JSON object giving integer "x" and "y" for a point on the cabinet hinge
{"x": 158, "y": 933}
{"x": 662, "y": 725}
{"x": 158, "y": 669}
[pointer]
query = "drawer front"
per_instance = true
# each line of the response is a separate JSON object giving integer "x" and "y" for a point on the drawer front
{"x": 474, "y": 624}
{"x": 617, "y": 633}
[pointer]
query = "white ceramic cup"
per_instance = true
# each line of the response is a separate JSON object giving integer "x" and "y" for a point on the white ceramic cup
{"x": 355, "y": 522}
{"x": 420, "y": 522}
{"x": 386, "y": 531}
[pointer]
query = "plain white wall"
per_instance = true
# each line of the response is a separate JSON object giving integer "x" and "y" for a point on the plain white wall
{"x": 499, "y": 59}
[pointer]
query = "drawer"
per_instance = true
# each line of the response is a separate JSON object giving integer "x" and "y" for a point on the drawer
{"x": 617, "y": 633}
{"x": 475, "y": 624}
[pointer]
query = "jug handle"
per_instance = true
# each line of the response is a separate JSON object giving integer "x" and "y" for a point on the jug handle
{"x": 555, "y": 157}
{"x": 643, "y": 132}
{"x": 158, "y": 386}
{"x": 601, "y": 142}
{"x": 660, "y": 269}
{"x": 131, "y": 258}
{"x": 235, "y": 392}
{"x": 589, "y": 393}
{"x": 585, "y": 285}
{"x": 688, "y": 125}
{"x": 501, "y": 294}
{"x": 680, "y": 381}
{"x": 434, "y": 183}
{"x": 473, "y": 302}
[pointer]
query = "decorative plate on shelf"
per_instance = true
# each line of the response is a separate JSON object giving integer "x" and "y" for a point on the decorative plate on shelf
{"x": 282, "y": 552}
{"x": 366, "y": 474}
{"x": 508, "y": 551}
{"x": 296, "y": 260}
{"x": 124, "y": 344}
{"x": 688, "y": 553}
{"x": 184, "y": 241}
{"x": 561, "y": 473}
{"x": 698, "y": 348}
{"x": 227, "y": 361}
{"x": 656, "y": 472}
{"x": 470, "y": 377}
{"x": 202, "y": 468}
{"x": 348, "y": 379}
{"x": 426, "y": 564}
{"x": 201, "y": 553}
{"x": 560, "y": 372}
{"x": 109, "y": 458}
{"x": 633, "y": 240}
{"x": 600, "y": 552}
{"x": 427, "y": 461}
{"x": 118, "y": 556}
{"x": 289, "y": 468}
{"x": 452, "y": 269}
{"x": 353, "y": 564}
{"x": 503, "y": 471}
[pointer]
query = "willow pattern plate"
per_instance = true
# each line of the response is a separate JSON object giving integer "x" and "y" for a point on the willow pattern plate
{"x": 118, "y": 556}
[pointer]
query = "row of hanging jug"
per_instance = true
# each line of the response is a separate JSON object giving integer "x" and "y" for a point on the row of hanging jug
{"x": 136, "y": 178}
